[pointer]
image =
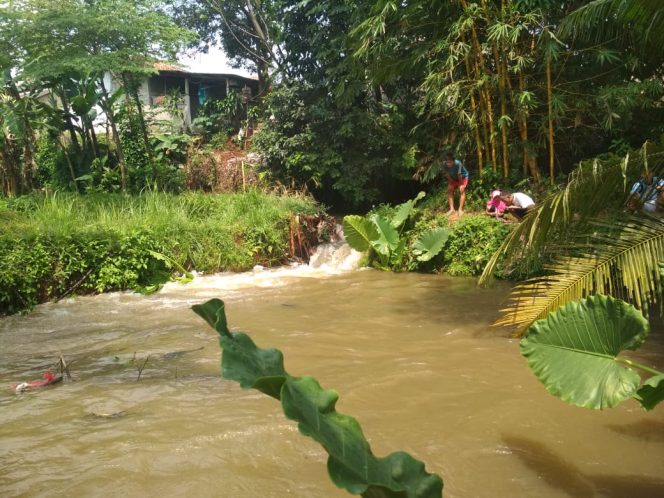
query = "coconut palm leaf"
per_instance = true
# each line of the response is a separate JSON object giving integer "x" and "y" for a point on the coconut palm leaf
{"x": 620, "y": 20}
{"x": 594, "y": 188}
{"x": 621, "y": 259}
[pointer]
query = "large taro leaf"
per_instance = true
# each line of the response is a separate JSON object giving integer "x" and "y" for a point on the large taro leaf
{"x": 573, "y": 351}
{"x": 388, "y": 238}
{"x": 651, "y": 392}
{"x": 351, "y": 464}
{"x": 430, "y": 243}
{"x": 359, "y": 232}
{"x": 405, "y": 210}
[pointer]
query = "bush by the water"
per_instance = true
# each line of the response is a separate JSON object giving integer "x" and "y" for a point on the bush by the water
{"x": 53, "y": 245}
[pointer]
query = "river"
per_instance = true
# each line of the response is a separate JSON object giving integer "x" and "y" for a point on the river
{"x": 412, "y": 357}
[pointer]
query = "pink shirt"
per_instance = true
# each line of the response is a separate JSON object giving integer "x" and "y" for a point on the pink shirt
{"x": 498, "y": 205}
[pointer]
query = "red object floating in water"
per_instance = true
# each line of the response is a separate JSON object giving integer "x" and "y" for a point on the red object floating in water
{"x": 47, "y": 379}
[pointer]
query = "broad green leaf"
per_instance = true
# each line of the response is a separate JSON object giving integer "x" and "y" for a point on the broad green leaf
{"x": 242, "y": 360}
{"x": 430, "y": 243}
{"x": 651, "y": 392}
{"x": 573, "y": 351}
{"x": 213, "y": 312}
{"x": 359, "y": 232}
{"x": 388, "y": 238}
{"x": 351, "y": 464}
{"x": 405, "y": 210}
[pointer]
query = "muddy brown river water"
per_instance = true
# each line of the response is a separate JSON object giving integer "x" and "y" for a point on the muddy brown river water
{"x": 412, "y": 357}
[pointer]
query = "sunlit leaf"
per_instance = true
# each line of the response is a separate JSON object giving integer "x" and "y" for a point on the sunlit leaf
{"x": 388, "y": 237}
{"x": 573, "y": 351}
{"x": 359, "y": 232}
{"x": 430, "y": 243}
{"x": 405, "y": 210}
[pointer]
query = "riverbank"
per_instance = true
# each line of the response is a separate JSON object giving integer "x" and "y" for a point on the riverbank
{"x": 56, "y": 245}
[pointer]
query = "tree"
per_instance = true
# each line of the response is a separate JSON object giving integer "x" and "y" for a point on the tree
{"x": 61, "y": 41}
{"x": 593, "y": 246}
{"x": 249, "y": 31}
{"x": 496, "y": 74}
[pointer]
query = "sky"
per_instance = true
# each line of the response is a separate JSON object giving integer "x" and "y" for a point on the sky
{"x": 214, "y": 61}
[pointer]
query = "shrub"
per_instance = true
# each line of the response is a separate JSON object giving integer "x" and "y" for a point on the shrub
{"x": 473, "y": 240}
{"x": 56, "y": 244}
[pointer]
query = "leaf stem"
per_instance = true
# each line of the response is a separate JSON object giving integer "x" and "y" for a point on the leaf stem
{"x": 638, "y": 365}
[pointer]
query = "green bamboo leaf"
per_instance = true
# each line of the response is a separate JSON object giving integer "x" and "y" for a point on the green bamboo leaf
{"x": 430, "y": 243}
{"x": 651, "y": 392}
{"x": 388, "y": 237}
{"x": 405, "y": 210}
{"x": 351, "y": 464}
{"x": 573, "y": 351}
{"x": 359, "y": 232}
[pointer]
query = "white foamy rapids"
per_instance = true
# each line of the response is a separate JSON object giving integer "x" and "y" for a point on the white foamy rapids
{"x": 329, "y": 259}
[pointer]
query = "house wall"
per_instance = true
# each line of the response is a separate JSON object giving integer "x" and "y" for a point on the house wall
{"x": 155, "y": 87}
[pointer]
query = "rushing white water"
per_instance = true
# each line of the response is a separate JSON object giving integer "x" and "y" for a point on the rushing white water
{"x": 328, "y": 260}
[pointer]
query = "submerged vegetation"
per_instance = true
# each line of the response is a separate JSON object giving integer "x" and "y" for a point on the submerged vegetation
{"x": 53, "y": 245}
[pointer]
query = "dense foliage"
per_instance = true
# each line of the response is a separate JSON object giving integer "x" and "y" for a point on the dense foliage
{"x": 358, "y": 99}
{"x": 407, "y": 238}
{"x": 365, "y": 94}
{"x": 52, "y": 246}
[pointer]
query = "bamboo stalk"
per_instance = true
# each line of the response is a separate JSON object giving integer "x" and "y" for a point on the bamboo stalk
{"x": 549, "y": 97}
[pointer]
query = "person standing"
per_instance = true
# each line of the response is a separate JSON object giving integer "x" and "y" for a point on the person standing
{"x": 457, "y": 178}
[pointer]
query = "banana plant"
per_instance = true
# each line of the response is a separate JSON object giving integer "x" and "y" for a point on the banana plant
{"x": 574, "y": 353}
{"x": 351, "y": 464}
{"x": 385, "y": 237}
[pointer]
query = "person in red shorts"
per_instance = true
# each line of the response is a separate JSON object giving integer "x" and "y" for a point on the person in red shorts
{"x": 457, "y": 178}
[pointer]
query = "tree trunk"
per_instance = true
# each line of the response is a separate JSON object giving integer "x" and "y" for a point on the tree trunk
{"x": 132, "y": 88}
{"x": 501, "y": 70}
{"x": 69, "y": 126}
{"x": 108, "y": 109}
{"x": 69, "y": 163}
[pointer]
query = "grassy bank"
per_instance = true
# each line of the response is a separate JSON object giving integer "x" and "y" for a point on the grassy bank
{"x": 58, "y": 244}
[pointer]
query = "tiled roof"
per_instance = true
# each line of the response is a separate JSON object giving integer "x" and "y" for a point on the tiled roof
{"x": 165, "y": 66}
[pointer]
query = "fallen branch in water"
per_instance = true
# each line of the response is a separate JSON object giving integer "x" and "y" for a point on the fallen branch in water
{"x": 140, "y": 369}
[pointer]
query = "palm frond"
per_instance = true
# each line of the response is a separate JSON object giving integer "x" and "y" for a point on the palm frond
{"x": 621, "y": 259}
{"x": 603, "y": 20}
{"x": 594, "y": 188}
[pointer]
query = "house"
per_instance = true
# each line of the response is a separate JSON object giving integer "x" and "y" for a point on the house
{"x": 194, "y": 87}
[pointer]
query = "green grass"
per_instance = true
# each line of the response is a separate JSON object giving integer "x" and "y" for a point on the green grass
{"x": 48, "y": 243}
